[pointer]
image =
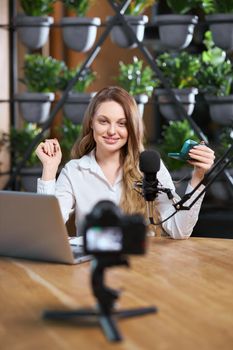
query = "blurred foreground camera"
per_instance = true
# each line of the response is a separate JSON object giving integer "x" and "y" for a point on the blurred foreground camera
{"x": 108, "y": 235}
{"x": 106, "y": 230}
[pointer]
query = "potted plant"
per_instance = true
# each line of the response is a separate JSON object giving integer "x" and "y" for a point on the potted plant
{"x": 69, "y": 132}
{"x": 77, "y": 100}
{"x": 41, "y": 77}
{"x": 136, "y": 19}
{"x": 34, "y": 24}
{"x": 176, "y": 30}
{"x": 215, "y": 79}
{"x": 79, "y": 32}
{"x": 180, "y": 70}
{"x": 139, "y": 81}
{"x": 219, "y": 16}
{"x": 174, "y": 134}
{"x": 20, "y": 139}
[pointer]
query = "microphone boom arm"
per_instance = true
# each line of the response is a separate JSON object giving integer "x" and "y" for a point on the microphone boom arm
{"x": 207, "y": 181}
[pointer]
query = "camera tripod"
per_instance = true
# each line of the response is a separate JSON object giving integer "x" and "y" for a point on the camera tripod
{"x": 104, "y": 312}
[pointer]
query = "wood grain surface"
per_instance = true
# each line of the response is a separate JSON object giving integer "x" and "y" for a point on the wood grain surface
{"x": 190, "y": 281}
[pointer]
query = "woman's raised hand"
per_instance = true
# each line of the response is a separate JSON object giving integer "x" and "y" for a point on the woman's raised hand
{"x": 202, "y": 160}
{"x": 49, "y": 153}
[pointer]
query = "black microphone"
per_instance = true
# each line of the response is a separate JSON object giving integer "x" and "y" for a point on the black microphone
{"x": 149, "y": 165}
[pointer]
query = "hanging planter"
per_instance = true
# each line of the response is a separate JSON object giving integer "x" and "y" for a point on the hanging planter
{"x": 168, "y": 108}
{"x": 76, "y": 105}
{"x": 219, "y": 16}
{"x": 29, "y": 176}
{"x": 79, "y": 33}
{"x": 77, "y": 100}
{"x": 176, "y": 31}
{"x": 33, "y": 31}
{"x": 35, "y": 107}
{"x": 119, "y": 36}
{"x": 180, "y": 71}
{"x": 20, "y": 139}
{"x": 135, "y": 18}
{"x": 215, "y": 82}
{"x": 221, "y": 26}
{"x": 34, "y": 24}
{"x": 221, "y": 109}
{"x": 41, "y": 76}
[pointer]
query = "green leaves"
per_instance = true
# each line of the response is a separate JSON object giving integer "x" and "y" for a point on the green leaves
{"x": 136, "y": 79}
{"x": 216, "y": 75}
{"x": 37, "y": 7}
{"x": 79, "y": 6}
{"x": 41, "y": 73}
{"x": 174, "y": 135}
{"x": 225, "y": 140}
{"x": 46, "y": 74}
{"x": 217, "y": 6}
{"x": 137, "y": 7}
{"x": 183, "y": 6}
{"x": 180, "y": 69}
{"x": 87, "y": 77}
{"x": 69, "y": 134}
{"x": 20, "y": 139}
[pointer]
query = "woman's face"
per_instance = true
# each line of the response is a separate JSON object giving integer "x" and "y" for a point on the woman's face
{"x": 109, "y": 126}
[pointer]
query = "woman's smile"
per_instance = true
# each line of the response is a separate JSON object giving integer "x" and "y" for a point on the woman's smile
{"x": 110, "y": 140}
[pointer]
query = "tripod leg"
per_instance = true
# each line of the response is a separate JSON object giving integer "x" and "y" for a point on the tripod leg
{"x": 135, "y": 312}
{"x": 109, "y": 327}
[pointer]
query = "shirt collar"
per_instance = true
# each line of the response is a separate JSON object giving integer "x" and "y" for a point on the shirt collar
{"x": 89, "y": 162}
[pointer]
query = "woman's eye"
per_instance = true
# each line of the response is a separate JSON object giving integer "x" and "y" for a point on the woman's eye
{"x": 103, "y": 121}
{"x": 122, "y": 123}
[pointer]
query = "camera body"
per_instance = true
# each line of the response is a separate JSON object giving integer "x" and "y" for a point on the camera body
{"x": 106, "y": 230}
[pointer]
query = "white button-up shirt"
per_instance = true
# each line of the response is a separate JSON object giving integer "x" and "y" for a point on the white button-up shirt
{"x": 82, "y": 183}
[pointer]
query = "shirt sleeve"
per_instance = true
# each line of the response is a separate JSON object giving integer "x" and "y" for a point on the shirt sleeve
{"x": 62, "y": 189}
{"x": 179, "y": 226}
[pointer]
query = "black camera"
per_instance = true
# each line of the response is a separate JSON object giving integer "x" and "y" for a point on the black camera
{"x": 106, "y": 230}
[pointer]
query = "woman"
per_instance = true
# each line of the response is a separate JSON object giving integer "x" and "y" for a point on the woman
{"x": 105, "y": 165}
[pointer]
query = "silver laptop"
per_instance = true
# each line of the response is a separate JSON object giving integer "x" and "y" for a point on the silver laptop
{"x": 32, "y": 227}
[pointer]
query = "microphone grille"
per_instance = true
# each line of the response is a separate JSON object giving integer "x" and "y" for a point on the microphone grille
{"x": 149, "y": 161}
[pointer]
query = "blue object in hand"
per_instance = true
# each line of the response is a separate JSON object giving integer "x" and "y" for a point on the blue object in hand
{"x": 183, "y": 154}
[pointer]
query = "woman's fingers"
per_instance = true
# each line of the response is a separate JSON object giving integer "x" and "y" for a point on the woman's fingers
{"x": 51, "y": 147}
{"x": 202, "y": 157}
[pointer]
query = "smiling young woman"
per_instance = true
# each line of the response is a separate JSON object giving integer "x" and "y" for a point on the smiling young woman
{"x": 105, "y": 165}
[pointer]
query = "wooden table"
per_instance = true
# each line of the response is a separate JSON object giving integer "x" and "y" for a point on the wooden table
{"x": 190, "y": 281}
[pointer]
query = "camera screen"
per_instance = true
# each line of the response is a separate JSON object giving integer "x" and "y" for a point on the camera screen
{"x": 104, "y": 239}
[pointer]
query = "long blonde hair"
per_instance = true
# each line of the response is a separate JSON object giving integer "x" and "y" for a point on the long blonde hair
{"x": 131, "y": 201}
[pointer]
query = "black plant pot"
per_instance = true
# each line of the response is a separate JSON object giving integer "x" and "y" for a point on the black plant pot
{"x": 29, "y": 177}
{"x": 119, "y": 35}
{"x": 176, "y": 31}
{"x": 33, "y": 31}
{"x": 79, "y": 33}
{"x": 34, "y": 106}
{"x": 221, "y": 109}
{"x": 167, "y": 107}
{"x": 76, "y": 105}
{"x": 221, "y": 26}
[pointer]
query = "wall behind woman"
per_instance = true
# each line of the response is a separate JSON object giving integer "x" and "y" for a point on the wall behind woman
{"x": 4, "y": 89}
